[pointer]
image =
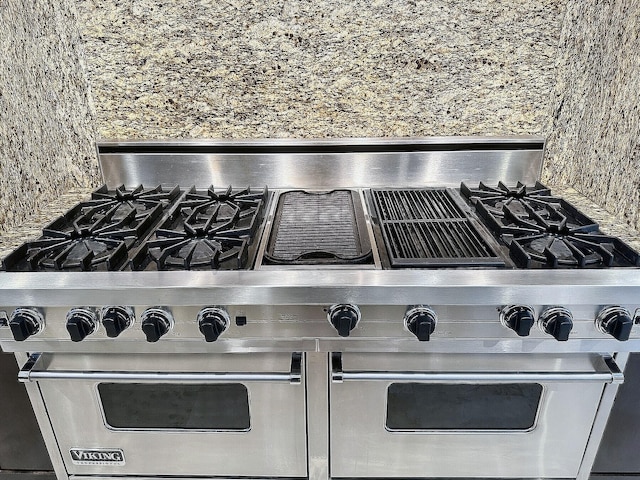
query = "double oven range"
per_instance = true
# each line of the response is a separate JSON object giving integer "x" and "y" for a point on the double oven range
{"x": 414, "y": 308}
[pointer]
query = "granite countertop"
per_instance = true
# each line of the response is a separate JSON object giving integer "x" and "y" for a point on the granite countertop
{"x": 608, "y": 223}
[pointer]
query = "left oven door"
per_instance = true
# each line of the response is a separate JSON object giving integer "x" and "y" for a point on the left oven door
{"x": 187, "y": 415}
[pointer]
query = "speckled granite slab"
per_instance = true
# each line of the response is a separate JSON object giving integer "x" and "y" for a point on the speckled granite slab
{"x": 320, "y": 68}
{"x": 47, "y": 126}
{"x": 32, "y": 228}
{"x": 594, "y": 143}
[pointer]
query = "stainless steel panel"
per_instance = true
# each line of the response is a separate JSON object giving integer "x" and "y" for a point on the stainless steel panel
{"x": 362, "y": 447}
{"x": 275, "y": 445}
{"x": 323, "y": 287}
{"x": 319, "y": 164}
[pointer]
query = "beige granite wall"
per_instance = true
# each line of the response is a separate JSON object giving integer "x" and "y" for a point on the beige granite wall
{"x": 594, "y": 143}
{"x": 320, "y": 68}
{"x": 47, "y": 126}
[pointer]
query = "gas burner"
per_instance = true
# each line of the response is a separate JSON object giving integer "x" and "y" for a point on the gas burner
{"x": 542, "y": 231}
{"x": 96, "y": 234}
{"x": 208, "y": 230}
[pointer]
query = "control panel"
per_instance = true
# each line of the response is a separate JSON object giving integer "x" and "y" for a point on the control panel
{"x": 419, "y": 327}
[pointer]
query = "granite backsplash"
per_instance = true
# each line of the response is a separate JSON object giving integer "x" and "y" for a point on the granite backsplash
{"x": 75, "y": 71}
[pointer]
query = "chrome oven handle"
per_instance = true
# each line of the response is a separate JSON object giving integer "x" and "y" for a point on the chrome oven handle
{"x": 29, "y": 374}
{"x": 614, "y": 375}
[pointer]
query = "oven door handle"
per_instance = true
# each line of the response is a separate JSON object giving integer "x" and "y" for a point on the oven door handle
{"x": 613, "y": 375}
{"x": 28, "y": 373}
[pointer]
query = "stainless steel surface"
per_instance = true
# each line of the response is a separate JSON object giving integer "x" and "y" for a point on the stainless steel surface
{"x": 600, "y": 422}
{"x": 275, "y": 445}
{"x": 324, "y": 287}
{"x": 29, "y": 373}
{"x": 323, "y": 164}
{"x": 317, "y": 385}
{"x": 553, "y": 448}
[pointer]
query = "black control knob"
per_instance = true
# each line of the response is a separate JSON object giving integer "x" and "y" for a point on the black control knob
{"x": 81, "y": 322}
{"x": 117, "y": 319}
{"x": 344, "y": 317}
{"x": 212, "y": 321}
{"x": 421, "y": 321}
{"x": 519, "y": 318}
{"x": 25, "y": 322}
{"x": 615, "y": 321}
{"x": 156, "y": 322}
{"x": 557, "y": 322}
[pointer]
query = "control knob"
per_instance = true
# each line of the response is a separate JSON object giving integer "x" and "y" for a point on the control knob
{"x": 212, "y": 321}
{"x": 156, "y": 322}
{"x": 117, "y": 319}
{"x": 557, "y": 322}
{"x": 519, "y": 318}
{"x": 25, "y": 322}
{"x": 615, "y": 321}
{"x": 344, "y": 317}
{"x": 81, "y": 322}
{"x": 421, "y": 321}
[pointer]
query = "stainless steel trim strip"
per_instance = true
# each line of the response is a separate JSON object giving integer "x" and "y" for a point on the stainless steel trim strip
{"x": 322, "y": 287}
{"x": 323, "y": 164}
{"x": 29, "y": 374}
{"x": 614, "y": 376}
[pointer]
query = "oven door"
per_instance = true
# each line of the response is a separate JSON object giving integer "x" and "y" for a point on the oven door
{"x": 187, "y": 415}
{"x": 474, "y": 415}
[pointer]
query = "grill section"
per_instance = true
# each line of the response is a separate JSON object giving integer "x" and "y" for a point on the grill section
{"x": 416, "y": 205}
{"x": 318, "y": 228}
{"x": 427, "y": 228}
{"x": 444, "y": 241}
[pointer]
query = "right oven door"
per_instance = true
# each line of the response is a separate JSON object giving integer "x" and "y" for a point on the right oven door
{"x": 472, "y": 415}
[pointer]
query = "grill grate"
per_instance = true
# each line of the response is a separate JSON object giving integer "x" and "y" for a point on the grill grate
{"x": 314, "y": 228}
{"x": 426, "y": 228}
{"x": 416, "y": 205}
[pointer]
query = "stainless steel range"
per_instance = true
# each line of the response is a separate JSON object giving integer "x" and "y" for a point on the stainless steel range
{"x": 413, "y": 308}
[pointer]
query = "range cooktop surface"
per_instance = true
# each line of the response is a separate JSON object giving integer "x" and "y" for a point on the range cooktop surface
{"x": 152, "y": 229}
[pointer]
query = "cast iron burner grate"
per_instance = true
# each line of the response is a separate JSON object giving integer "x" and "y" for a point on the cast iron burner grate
{"x": 543, "y": 231}
{"x": 207, "y": 230}
{"x": 97, "y": 234}
{"x": 318, "y": 228}
{"x": 426, "y": 228}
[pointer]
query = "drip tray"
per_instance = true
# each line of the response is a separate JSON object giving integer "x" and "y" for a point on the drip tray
{"x": 311, "y": 228}
{"x": 428, "y": 228}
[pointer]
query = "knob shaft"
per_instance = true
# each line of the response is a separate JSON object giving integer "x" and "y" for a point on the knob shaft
{"x": 212, "y": 321}
{"x": 519, "y": 318}
{"x": 557, "y": 322}
{"x": 344, "y": 318}
{"x": 156, "y": 322}
{"x": 117, "y": 319}
{"x": 25, "y": 322}
{"x": 81, "y": 322}
{"x": 421, "y": 321}
{"x": 615, "y": 321}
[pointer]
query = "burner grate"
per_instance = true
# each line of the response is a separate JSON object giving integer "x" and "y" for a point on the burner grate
{"x": 543, "y": 231}
{"x": 207, "y": 230}
{"x": 312, "y": 228}
{"x": 427, "y": 228}
{"x": 96, "y": 234}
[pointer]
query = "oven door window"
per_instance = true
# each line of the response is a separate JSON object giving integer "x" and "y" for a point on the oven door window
{"x": 419, "y": 406}
{"x": 133, "y": 406}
